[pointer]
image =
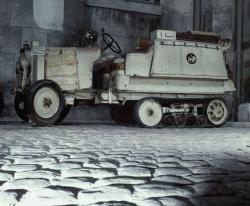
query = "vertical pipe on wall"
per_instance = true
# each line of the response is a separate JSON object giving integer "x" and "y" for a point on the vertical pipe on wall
{"x": 197, "y": 15}
{"x": 239, "y": 38}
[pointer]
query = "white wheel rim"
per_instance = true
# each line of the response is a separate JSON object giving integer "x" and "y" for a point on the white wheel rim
{"x": 46, "y": 102}
{"x": 150, "y": 113}
{"x": 217, "y": 112}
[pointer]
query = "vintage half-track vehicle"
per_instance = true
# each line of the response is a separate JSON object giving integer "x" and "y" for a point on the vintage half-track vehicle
{"x": 173, "y": 78}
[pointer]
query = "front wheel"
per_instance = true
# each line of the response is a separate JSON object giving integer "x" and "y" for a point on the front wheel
{"x": 217, "y": 112}
{"x": 148, "y": 113}
{"x": 45, "y": 102}
{"x": 64, "y": 114}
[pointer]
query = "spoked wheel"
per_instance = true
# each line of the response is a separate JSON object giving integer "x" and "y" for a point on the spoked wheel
{"x": 148, "y": 113}
{"x": 19, "y": 107}
{"x": 122, "y": 114}
{"x": 217, "y": 112}
{"x": 45, "y": 102}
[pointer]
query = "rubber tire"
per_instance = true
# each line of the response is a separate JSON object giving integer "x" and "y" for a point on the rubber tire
{"x": 21, "y": 113}
{"x": 122, "y": 114}
{"x": 64, "y": 114}
{"x": 29, "y": 102}
{"x": 137, "y": 118}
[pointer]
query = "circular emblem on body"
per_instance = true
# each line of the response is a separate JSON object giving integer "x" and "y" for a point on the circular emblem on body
{"x": 191, "y": 58}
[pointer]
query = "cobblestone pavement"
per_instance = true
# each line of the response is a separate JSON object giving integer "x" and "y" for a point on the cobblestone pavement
{"x": 109, "y": 165}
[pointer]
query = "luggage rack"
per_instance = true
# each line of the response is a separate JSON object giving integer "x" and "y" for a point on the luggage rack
{"x": 199, "y": 37}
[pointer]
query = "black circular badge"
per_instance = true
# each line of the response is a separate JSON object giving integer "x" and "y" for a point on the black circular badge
{"x": 191, "y": 58}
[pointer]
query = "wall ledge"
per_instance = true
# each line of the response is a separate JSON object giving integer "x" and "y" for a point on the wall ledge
{"x": 124, "y": 5}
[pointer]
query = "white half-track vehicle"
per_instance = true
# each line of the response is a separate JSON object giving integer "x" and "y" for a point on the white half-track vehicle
{"x": 174, "y": 79}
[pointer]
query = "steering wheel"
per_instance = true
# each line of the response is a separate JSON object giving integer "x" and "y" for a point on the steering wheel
{"x": 110, "y": 43}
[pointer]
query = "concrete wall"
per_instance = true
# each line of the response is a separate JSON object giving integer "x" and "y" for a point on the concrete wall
{"x": 177, "y": 15}
{"x": 56, "y": 23}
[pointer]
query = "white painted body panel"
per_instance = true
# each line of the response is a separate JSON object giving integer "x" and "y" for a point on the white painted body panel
{"x": 61, "y": 67}
{"x": 37, "y": 61}
{"x": 164, "y": 70}
{"x": 170, "y": 59}
{"x": 172, "y": 85}
{"x": 86, "y": 58}
{"x": 139, "y": 64}
{"x": 71, "y": 68}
